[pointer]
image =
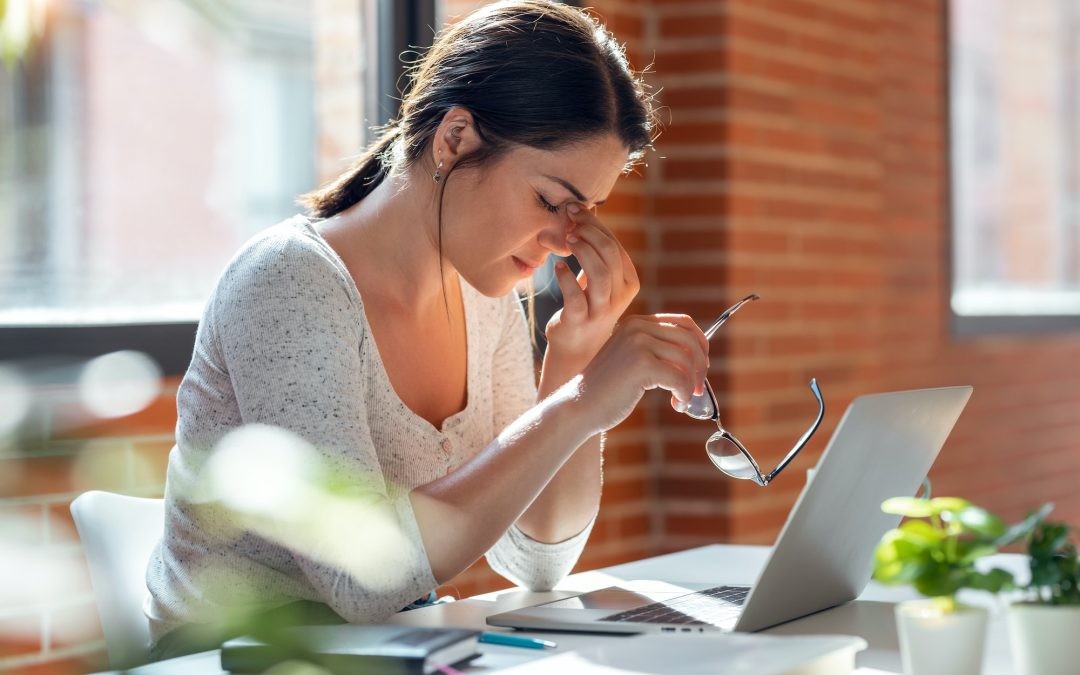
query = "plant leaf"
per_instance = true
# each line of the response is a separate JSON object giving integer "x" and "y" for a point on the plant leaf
{"x": 910, "y": 507}
{"x": 898, "y": 559}
{"x": 981, "y": 521}
{"x": 993, "y": 581}
{"x": 969, "y": 551}
{"x": 949, "y": 504}
{"x": 1024, "y": 528}
{"x": 940, "y": 579}
{"x": 921, "y": 531}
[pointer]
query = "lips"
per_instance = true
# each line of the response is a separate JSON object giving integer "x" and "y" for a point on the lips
{"x": 526, "y": 266}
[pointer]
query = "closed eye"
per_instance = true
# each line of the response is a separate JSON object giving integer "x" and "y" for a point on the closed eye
{"x": 546, "y": 204}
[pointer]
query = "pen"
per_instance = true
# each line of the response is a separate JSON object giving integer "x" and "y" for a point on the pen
{"x": 515, "y": 641}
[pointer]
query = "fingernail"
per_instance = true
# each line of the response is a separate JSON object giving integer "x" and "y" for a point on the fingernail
{"x": 680, "y": 406}
{"x": 572, "y": 238}
{"x": 561, "y": 266}
{"x": 574, "y": 208}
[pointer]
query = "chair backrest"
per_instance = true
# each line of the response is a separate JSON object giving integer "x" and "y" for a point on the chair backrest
{"x": 118, "y": 535}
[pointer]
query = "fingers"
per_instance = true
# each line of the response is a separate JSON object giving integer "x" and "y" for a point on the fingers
{"x": 677, "y": 339}
{"x": 688, "y": 324}
{"x": 595, "y": 276}
{"x": 630, "y": 275}
{"x": 687, "y": 376}
{"x": 603, "y": 258}
{"x": 575, "y": 304}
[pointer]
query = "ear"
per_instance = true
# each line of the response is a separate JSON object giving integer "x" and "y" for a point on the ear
{"x": 455, "y": 138}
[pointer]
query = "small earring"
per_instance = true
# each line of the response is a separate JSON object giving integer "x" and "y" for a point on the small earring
{"x": 438, "y": 173}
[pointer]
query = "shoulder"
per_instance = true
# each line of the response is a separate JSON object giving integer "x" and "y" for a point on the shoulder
{"x": 288, "y": 259}
{"x": 290, "y": 245}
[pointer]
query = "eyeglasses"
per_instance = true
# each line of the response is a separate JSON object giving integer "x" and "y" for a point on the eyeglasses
{"x": 725, "y": 451}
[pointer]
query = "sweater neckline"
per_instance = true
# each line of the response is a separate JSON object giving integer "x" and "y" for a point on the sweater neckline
{"x": 405, "y": 412}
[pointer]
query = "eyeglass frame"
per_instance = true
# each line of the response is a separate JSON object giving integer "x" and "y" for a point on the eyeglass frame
{"x": 758, "y": 478}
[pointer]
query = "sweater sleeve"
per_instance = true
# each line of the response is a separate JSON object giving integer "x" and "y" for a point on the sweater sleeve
{"x": 535, "y": 565}
{"x": 288, "y": 330}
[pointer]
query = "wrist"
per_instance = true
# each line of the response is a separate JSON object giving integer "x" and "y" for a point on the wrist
{"x": 568, "y": 414}
{"x": 558, "y": 368}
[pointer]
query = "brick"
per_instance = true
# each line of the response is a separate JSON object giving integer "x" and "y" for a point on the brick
{"x": 710, "y": 527}
{"x": 626, "y": 454}
{"x": 74, "y": 624}
{"x": 635, "y": 525}
{"x": 61, "y": 526}
{"x": 32, "y": 476}
{"x": 50, "y": 665}
{"x": 616, "y": 492}
{"x": 20, "y": 635}
{"x": 23, "y": 523}
{"x": 693, "y": 240}
{"x": 686, "y": 275}
{"x": 158, "y": 417}
{"x": 150, "y": 459}
{"x": 711, "y": 484}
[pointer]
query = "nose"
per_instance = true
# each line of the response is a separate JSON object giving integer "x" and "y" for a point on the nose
{"x": 553, "y": 238}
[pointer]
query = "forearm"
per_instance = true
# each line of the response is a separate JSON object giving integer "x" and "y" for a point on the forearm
{"x": 460, "y": 516}
{"x": 572, "y": 497}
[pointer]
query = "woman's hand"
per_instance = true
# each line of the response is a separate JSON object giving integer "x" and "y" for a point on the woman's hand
{"x": 667, "y": 351}
{"x": 596, "y": 298}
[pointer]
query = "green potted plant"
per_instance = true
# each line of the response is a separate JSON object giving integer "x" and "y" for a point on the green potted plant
{"x": 935, "y": 551}
{"x": 1045, "y": 624}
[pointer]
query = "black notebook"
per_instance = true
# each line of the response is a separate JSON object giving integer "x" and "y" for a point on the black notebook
{"x": 378, "y": 650}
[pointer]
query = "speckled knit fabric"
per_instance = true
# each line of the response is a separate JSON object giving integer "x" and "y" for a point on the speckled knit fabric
{"x": 284, "y": 341}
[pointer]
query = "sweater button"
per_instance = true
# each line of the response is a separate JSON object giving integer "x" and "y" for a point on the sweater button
{"x": 446, "y": 445}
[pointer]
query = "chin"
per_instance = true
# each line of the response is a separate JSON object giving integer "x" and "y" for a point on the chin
{"x": 492, "y": 285}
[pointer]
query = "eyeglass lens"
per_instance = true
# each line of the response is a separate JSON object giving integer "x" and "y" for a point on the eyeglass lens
{"x": 702, "y": 407}
{"x": 727, "y": 457}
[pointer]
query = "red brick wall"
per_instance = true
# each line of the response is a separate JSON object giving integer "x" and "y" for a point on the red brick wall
{"x": 806, "y": 161}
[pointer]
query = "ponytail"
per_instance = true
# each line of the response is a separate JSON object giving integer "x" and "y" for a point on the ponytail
{"x": 357, "y": 181}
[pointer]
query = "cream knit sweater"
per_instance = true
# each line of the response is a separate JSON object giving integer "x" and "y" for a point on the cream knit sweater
{"x": 284, "y": 341}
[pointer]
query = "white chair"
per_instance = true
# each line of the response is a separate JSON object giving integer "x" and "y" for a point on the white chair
{"x": 118, "y": 535}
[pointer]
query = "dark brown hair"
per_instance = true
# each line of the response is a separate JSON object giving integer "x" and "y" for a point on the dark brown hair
{"x": 531, "y": 72}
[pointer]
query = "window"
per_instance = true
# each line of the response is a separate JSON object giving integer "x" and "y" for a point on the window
{"x": 142, "y": 143}
{"x": 1015, "y": 147}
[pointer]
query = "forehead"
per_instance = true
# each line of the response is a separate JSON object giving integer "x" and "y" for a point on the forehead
{"x": 592, "y": 166}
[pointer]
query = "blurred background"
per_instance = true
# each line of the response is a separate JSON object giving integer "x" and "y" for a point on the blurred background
{"x": 898, "y": 181}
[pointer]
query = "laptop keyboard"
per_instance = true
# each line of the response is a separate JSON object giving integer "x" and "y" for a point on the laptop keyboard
{"x": 713, "y": 606}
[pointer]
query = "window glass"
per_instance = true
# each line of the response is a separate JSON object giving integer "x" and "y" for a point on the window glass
{"x": 1015, "y": 135}
{"x": 141, "y": 143}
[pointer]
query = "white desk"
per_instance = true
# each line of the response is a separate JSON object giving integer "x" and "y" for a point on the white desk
{"x": 870, "y": 617}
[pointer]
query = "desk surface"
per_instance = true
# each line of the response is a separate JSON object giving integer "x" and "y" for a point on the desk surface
{"x": 870, "y": 617}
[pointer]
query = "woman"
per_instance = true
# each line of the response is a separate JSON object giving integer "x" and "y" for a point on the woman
{"x": 384, "y": 331}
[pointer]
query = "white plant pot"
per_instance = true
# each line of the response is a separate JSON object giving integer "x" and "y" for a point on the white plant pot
{"x": 1045, "y": 639}
{"x": 936, "y": 643}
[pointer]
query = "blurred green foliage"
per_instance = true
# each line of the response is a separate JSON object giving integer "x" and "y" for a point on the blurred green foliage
{"x": 935, "y": 549}
{"x": 1055, "y": 567}
{"x": 16, "y": 29}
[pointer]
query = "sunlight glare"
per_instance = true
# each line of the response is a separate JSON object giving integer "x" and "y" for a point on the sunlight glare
{"x": 119, "y": 384}
{"x": 260, "y": 469}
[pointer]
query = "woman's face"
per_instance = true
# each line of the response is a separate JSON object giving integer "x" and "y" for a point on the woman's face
{"x": 502, "y": 220}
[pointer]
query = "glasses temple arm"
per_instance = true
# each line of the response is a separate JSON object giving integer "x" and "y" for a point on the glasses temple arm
{"x": 724, "y": 317}
{"x": 806, "y": 436}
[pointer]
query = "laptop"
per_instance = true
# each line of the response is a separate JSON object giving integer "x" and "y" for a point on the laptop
{"x": 883, "y": 447}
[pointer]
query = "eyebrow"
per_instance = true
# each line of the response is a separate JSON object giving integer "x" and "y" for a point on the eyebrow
{"x": 570, "y": 186}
